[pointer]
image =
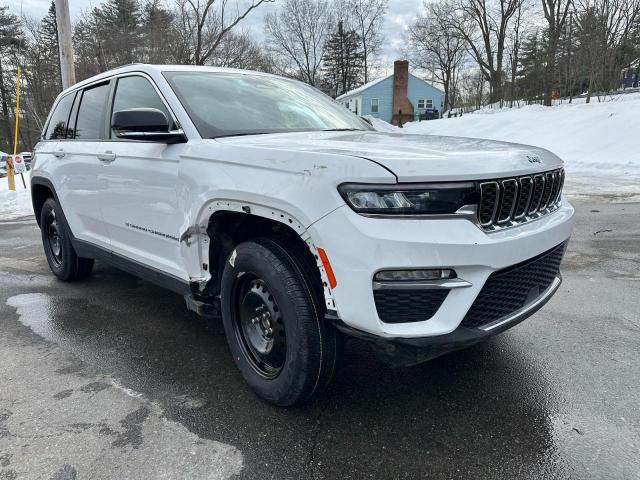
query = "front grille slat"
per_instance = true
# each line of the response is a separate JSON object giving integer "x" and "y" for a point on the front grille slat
{"x": 526, "y": 188}
{"x": 509, "y": 290}
{"x": 548, "y": 189}
{"x": 512, "y": 201}
{"x": 489, "y": 196}
{"x": 507, "y": 200}
{"x": 538, "y": 189}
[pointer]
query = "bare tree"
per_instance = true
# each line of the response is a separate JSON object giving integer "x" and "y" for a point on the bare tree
{"x": 205, "y": 23}
{"x": 556, "y": 13}
{"x": 435, "y": 47}
{"x": 297, "y": 35}
{"x": 365, "y": 17}
{"x": 484, "y": 25}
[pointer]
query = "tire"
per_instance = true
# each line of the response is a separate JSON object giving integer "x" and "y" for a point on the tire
{"x": 292, "y": 352}
{"x": 56, "y": 240}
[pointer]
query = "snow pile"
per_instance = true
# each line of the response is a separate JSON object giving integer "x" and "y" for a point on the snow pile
{"x": 15, "y": 204}
{"x": 381, "y": 125}
{"x": 598, "y": 141}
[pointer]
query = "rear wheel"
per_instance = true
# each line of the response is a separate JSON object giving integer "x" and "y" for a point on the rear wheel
{"x": 274, "y": 323}
{"x": 56, "y": 240}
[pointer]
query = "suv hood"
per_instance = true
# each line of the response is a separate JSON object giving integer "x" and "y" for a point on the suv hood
{"x": 415, "y": 158}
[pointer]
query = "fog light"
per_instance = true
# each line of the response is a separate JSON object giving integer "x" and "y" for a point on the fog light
{"x": 413, "y": 275}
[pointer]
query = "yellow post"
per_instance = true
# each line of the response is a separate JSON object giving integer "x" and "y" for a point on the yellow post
{"x": 11, "y": 179}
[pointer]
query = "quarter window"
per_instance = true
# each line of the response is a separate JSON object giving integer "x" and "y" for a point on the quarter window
{"x": 57, "y": 127}
{"x": 89, "y": 125}
{"x": 375, "y": 104}
{"x": 137, "y": 92}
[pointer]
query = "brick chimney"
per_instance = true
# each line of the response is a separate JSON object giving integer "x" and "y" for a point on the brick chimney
{"x": 402, "y": 108}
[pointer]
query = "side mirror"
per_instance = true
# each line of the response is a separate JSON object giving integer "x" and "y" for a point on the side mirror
{"x": 144, "y": 124}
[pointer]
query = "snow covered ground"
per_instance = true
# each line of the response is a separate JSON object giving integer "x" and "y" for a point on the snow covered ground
{"x": 600, "y": 142}
{"x": 15, "y": 204}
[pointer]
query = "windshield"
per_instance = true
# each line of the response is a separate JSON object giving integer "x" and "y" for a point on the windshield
{"x": 227, "y": 104}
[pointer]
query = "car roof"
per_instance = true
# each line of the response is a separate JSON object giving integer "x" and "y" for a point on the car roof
{"x": 150, "y": 69}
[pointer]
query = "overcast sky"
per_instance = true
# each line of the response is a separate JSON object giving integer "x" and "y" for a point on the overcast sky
{"x": 401, "y": 14}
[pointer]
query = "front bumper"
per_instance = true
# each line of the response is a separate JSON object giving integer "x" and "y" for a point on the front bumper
{"x": 358, "y": 247}
{"x": 398, "y": 351}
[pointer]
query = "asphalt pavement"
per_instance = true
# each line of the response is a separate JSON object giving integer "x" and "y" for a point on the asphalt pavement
{"x": 112, "y": 378}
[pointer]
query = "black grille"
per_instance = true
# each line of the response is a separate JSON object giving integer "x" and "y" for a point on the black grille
{"x": 405, "y": 306}
{"x": 517, "y": 200}
{"x": 508, "y": 290}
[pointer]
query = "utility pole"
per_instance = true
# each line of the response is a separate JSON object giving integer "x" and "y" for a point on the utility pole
{"x": 63, "y": 21}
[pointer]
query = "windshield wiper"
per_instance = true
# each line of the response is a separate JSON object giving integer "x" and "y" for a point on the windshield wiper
{"x": 343, "y": 130}
{"x": 242, "y": 134}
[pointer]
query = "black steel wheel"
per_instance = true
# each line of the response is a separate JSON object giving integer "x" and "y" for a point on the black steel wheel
{"x": 58, "y": 248}
{"x": 273, "y": 316}
{"x": 258, "y": 325}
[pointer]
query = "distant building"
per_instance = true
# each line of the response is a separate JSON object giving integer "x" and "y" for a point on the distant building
{"x": 398, "y": 97}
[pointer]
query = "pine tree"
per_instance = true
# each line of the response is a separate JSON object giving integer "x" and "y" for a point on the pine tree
{"x": 157, "y": 26}
{"x": 343, "y": 61}
{"x": 532, "y": 67}
{"x": 120, "y": 30}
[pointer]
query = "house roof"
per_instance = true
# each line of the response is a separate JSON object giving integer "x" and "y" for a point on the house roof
{"x": 366, "y": 86}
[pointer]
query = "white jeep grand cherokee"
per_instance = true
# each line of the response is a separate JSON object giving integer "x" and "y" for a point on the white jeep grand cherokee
{"x": 261, "y": 199}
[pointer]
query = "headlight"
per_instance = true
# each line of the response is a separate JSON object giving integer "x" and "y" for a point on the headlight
{"x": 414, "y": 199}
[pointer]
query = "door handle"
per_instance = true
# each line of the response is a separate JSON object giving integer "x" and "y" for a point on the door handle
{"x": 59, "y": 154}
{"x": 106, "y": 157}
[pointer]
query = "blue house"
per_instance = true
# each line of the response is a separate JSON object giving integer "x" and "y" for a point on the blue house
{"x": 400, "y": 97}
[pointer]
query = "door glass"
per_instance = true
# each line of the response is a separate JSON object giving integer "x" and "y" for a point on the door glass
{"x": 91, "y": 113}
{"x": 57, "y": 127}
{"x": 137, "y": 92}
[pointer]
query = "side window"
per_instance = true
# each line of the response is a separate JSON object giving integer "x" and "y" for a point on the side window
{"x": 91, "y": 113}
{"x": 137, "y": 92}
{"x": 374, "y": 105}
{"x": 57, "y": 127}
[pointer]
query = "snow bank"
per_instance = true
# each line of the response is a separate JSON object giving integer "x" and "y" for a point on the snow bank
{"x": 599, "y": 142}
{"x": 17, "y": 203}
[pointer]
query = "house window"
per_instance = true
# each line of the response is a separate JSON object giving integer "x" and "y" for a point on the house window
{"x": 425, "y": 103}
{"x": 374, "y": 105}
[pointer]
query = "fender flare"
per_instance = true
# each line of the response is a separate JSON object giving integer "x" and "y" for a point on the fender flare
{"x": 45, "y": 182}
{"x": 200, "y": 247}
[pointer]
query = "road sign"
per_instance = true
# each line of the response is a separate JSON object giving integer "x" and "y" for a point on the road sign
{"x": 18, "y": 164}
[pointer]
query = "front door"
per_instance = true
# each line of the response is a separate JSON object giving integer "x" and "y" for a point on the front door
{"x": 139, "y": 178}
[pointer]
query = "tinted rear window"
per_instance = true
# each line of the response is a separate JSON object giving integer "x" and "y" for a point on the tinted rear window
{"x": 89, "y": 125}
{"x": 57, "y": 127}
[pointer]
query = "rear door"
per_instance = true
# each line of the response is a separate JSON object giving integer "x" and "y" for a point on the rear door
{"x": 71, "y": 139}
{"x": 140, "y": 206}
